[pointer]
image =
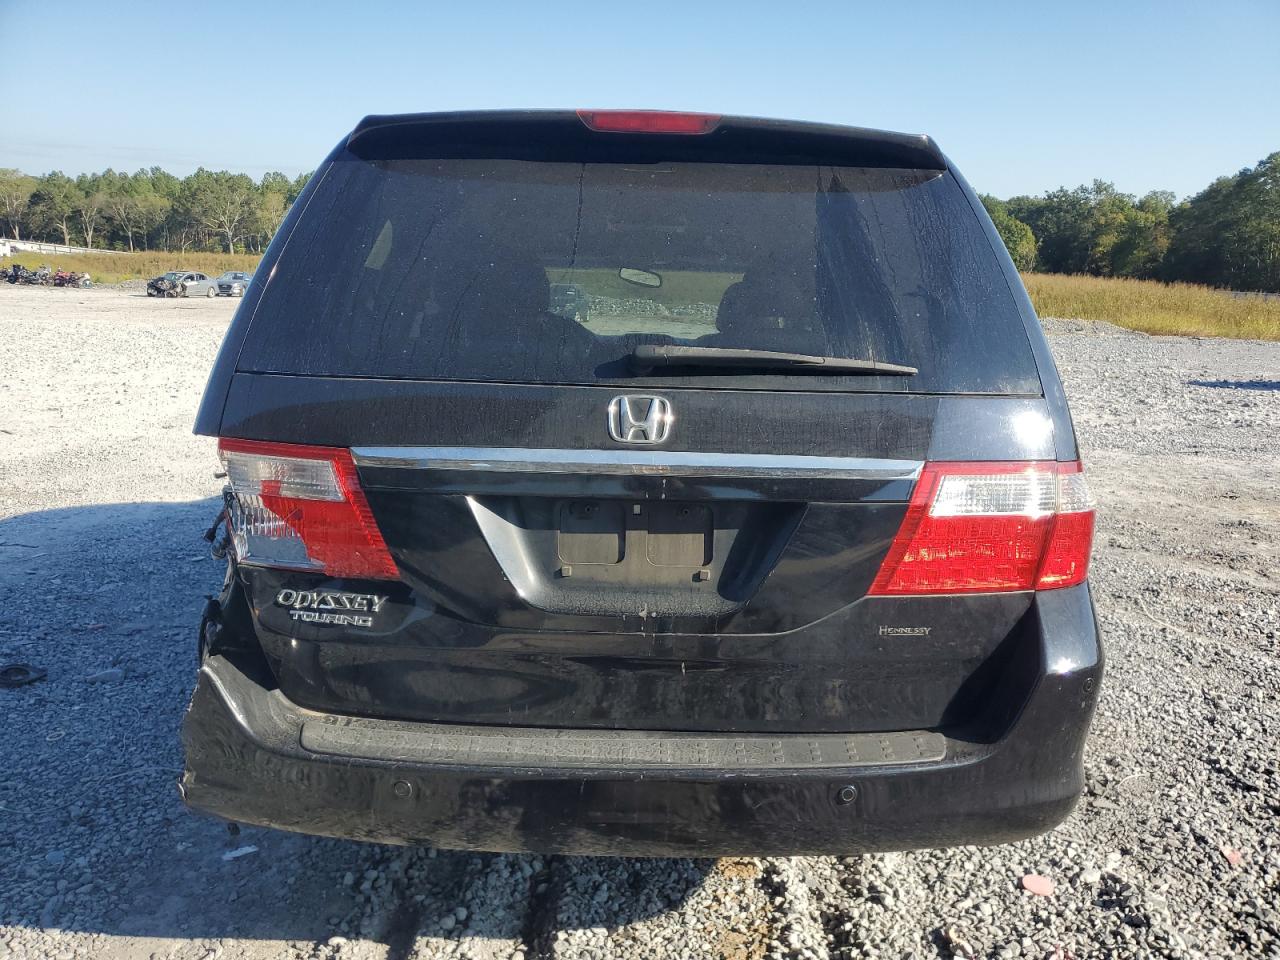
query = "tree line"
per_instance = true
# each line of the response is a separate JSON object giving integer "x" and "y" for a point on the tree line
{"x": 1227, "y": 235}
{"x": 148, "y": 210}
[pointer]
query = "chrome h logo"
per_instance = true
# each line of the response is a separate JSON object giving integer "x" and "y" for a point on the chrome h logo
{"x": 639, "y": 419}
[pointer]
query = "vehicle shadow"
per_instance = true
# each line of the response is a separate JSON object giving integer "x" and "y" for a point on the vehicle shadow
{"x": 1237, "y": 384}
{"x": 93, "y": 835}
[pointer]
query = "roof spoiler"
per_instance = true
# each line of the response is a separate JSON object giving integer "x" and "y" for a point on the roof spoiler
{"x": 564, "y": 135}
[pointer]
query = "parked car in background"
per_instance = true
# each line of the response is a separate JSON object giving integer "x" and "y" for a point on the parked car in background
{"x": 177, "y": 283}
{"x": 233, "y": 283}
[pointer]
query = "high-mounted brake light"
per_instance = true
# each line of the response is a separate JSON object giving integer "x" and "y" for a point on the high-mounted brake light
{"x": 301, "y": 508}
{"x": 990, "y": 528}
{"x": 648, "y": 121}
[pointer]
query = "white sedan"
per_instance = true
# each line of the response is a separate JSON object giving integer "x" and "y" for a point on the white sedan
{"x": 198, "y": 285}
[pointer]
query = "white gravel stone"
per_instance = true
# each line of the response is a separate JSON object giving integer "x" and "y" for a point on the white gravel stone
{"x": 104, "y": 493}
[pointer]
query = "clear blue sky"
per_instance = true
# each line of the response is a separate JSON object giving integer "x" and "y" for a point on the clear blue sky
{"x": 1024, "y": 96}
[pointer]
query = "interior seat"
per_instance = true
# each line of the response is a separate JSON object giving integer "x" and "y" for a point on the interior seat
{"x": 771, "y": 309}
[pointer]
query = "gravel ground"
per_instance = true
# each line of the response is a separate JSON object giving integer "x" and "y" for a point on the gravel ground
{"x": 104, "y": 494}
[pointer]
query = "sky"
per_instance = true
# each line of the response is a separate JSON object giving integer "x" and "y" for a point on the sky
{"x": 1022, "y": 96}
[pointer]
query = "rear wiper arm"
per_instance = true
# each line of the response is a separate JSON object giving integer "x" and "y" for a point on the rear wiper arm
{"x": 649, "y": 356}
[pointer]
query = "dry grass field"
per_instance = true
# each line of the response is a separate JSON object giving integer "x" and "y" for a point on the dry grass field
{"x": 1158, "y": 308}
{"x": 107, "y": 268}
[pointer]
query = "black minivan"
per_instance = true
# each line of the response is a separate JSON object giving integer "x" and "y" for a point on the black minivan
{"x": 779, "y": 548}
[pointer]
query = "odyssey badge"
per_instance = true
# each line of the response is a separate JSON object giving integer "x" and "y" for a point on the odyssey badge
{"x": 331, "y": 606}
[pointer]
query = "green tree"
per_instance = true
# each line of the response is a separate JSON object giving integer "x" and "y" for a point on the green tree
{"x": 275, "y": 182}
{"x": 54, "y": 204}
{"x": 1096, "y": 229}
{"x": 1104, "y": 225}
{"x": 299, "y": 182}
{"x": 1060, "y": 222}
{"x": 91, "y": 200}
{"x": 270, "y": 206}
{"x": 16, "y": 189}
{"x": 161, "y": 220}
{"x": 1142, "y": 237}
{"x": 124, "y": 199}
{"x": 1228, "y": 235}
{"x": 153, "y": 211}
{"x": 165, "y": 183}
{"x": 1017, "y": 236}
{"x": 222, "y": 202}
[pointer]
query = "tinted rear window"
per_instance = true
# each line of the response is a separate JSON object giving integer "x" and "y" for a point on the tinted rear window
{"x": 550, "y": 272}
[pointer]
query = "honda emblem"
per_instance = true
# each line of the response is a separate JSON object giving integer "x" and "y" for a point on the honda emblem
{"x": 639, "y": 419}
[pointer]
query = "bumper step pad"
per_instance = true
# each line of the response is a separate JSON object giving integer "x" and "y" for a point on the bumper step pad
{"x": 524, "y": 747}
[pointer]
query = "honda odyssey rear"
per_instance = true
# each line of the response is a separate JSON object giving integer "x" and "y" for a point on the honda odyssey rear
{"x": 643, "y": 483}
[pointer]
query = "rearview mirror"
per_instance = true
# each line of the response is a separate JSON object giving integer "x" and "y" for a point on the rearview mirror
{"x": 643, "y": 278}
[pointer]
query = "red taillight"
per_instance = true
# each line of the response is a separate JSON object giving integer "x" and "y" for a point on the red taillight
{"x": 989, "y": 528}
{"x": 301, "y": 507}
{"x": 648, "y": 121}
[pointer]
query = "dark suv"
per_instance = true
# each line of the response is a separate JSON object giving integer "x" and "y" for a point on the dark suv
{"x": 785, "y": 554}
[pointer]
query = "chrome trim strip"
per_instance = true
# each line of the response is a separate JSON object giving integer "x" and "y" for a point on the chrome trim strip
{"x": 635, "y": 463}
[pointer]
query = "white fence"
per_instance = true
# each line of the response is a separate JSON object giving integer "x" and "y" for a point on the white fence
{"x": 9, "y": 247}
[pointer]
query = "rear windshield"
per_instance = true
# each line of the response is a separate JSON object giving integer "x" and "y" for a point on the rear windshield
{"x": 551, "y": 272}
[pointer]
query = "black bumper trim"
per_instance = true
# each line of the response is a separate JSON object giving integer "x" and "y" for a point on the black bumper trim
{"x": 245, "y": 761}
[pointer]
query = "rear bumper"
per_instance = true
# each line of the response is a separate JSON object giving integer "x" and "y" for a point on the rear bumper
{"x": 254, "y": 757}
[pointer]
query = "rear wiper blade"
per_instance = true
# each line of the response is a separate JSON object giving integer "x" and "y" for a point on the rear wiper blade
{"x": 650, "y": 356}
